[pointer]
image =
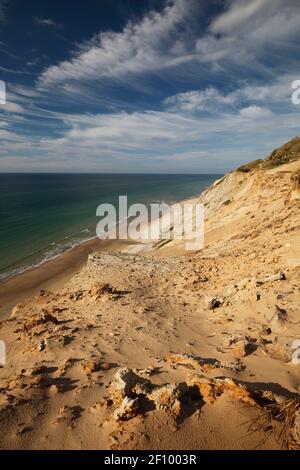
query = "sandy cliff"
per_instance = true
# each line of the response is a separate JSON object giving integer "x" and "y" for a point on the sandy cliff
{"x": 158, "y": 350}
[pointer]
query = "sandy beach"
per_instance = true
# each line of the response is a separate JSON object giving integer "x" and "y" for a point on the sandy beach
{"x": 51, "y": 274}
{"x": 153, "y": 347}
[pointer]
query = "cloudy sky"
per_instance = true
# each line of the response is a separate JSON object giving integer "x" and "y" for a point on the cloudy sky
{"x": 177, "y": 86}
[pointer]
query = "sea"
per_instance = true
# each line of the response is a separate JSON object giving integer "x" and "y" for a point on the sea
{"x": 43, "y": 215}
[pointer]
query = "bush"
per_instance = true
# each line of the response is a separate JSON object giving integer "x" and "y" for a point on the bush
{"x": 249, "y": 166}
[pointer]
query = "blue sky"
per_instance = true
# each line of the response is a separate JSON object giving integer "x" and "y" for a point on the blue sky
{"x": 177, "y": 86}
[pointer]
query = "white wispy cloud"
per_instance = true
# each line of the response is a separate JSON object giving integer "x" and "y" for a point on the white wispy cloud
{"x": 240, "y": 12}
{"x": 45, "y": 22}
{"x": 173, "y": 139}
{"x": 11, "y": 107}
{"x": 243, "y": 34}
{"x": 209, "y": 100}
{"x": 143, "y": 46}
{"x": 249, "y": 31}
{"x": 255, "y": 112}
{"x": 213, "y": 100}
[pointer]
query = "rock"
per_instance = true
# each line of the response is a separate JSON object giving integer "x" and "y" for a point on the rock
{"x": 283, "y": 295}
{"x": 265, "y": 331}
{"x": 236, "y": 366}
{"x": 42, "y": 345}
{"x": 125, "y": 385}
{"x": 296, "y": 353}
{"x": 45, "y": 293}
{"x": 36, "y": 320}
{"x": 100, "y": 288}
{"x": 211, "y": 389}
{"x": 215, "y": 302}
{"x": 279, "y": 351}
{"x": 141, "y": 389}
{"x": 92, "y": 365}
{"x": 239, "y": 349}
{"x": 66, "y": 413}
{"x": 61, "y": 371}
{"x": 148, "y": 372}
{"x": 280, "y": 317}
{"x": 204, "y": 387}
{"x": 106, "y": 402}
{"x": 274, "y": 277}
{"x": 76, "y": 296}
{"x": 53, "y": 389}
{"x": 238, "y": 391}
{"x": 186, "y": 360}
{"x": 53, "y": 309}
{"x": 168, "y": 397}
{"x": 16, "y": 309}
{"x": 231, "y": 339}
{"x": 127, "y": 410}
{"x": 239, "y": 345}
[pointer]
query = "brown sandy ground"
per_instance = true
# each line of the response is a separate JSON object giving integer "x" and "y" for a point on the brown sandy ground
{"x": 171, "y": 350}
{"x": 51, "y": 274}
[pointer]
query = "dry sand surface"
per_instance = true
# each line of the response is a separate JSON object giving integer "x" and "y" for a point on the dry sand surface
{"x": 168, "y": 349}
{"x": 51, "y": 274}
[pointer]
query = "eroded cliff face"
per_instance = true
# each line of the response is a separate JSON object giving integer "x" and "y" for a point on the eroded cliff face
{"x": 258, "y": 202}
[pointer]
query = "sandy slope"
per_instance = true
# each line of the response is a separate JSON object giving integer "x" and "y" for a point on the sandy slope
{"x": 64, "y": 385}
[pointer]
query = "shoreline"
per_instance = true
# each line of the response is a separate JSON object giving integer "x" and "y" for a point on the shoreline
{"x": 51, "y": 274}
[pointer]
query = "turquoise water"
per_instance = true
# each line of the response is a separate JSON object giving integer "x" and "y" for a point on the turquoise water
{"x": 43, "y": 215}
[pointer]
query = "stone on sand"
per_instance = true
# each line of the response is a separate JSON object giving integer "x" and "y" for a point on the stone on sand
{"x": 215, "y": 302}
{"x": 168, "y": 397}
{"x": 41, "y": 318}
{"x": 127, "y": 410}
{"x": 127, "y": 384}
{"x": 280, "y": 317}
